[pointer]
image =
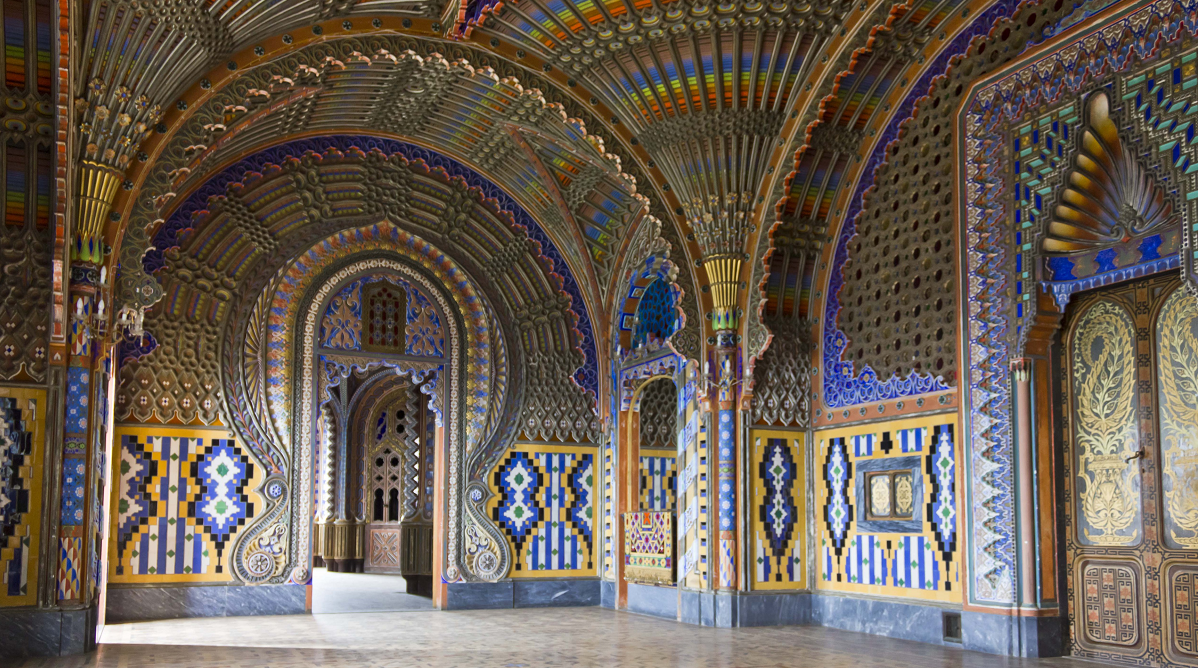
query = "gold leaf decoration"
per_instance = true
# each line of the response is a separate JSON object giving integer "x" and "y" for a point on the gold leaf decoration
{"x": 1177, "y": 368}
{"x": 1108, "y": 197}
{"x": 1103, "y": 369}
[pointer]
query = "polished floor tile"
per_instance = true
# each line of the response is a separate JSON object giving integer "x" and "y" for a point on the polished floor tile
{"x": 362, "y": 592}
{"x": 531, "y": 638}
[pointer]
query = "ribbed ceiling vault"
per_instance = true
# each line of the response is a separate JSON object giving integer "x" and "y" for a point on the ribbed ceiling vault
{"x": 535, "y": 150}
{"x": 705, "y": 89}
{"x": 705, "y": 97}
{"x": 140, "y": 54}
{"x": 509, "y": 132}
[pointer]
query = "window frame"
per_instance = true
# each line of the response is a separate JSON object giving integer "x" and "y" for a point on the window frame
{"x": 863, "y": 469}
{"x": 892, "y": 476}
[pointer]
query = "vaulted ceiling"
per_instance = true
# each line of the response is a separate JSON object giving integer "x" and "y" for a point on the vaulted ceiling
{"x": 590, "y": 115}
{"x": 542, "y": 156}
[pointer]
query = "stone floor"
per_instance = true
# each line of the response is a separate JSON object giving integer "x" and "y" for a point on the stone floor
{"x": 362, "y": 592}
{"x": 529, "y": 638}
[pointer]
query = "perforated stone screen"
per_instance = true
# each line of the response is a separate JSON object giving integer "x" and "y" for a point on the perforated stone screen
{"x": 899, "y": 294}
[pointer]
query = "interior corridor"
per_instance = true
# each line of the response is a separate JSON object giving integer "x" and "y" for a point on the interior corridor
{"x": 362, "y": 592}
{"x": 529, "y": 638}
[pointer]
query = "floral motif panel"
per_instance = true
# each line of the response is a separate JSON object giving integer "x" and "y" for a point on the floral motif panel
{"x": 1177, "y": 373}
{"x": 1103, "y": 370}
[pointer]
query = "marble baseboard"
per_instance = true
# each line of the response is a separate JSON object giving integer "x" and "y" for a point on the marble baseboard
{"x": 653, "y": 601}
{"x": 774, "y": 609}
{"x": 555, "y": 593}
{"x": 607, "y": 594}
{"x": 31, "y": 632}
{"x": 696, "y": 607}
{"x": 893, "y": 619}
{"x": 994, "y": 634}
{"x": 728, "y": 610}
{"x": 572, "y": 592}
{"x": 480, "y": 595}
{"x": 1013, "y": 636}
{"x": 132, "y": 604}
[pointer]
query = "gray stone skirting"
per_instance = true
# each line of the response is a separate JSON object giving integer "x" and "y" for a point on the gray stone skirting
{"x": 33, "y": 632}
{"x": 720, "y": 609}
{"x": 573, "y": 592}
{"x": 653, "y": 600}
{"x": 131, "y": 604}
{"x": 982, "y": 632}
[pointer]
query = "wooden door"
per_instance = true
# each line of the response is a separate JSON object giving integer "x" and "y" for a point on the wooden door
{"x": 1130, "y": 373}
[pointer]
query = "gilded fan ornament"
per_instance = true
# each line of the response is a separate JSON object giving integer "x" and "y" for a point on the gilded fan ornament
{"x": 1108, "y": 197}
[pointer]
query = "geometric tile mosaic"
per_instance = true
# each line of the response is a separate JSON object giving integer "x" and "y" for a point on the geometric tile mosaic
{"x": 778, "y": 510}
{"x": 70, "y": 558}
{"x": 181, "y": 497}
{"x": 657, "y": 482}
{"x": 915, "y": 558}
{"x": 649, "y": 547}
{"x": 543, "y": 500}
{"x": 22, "y": 423}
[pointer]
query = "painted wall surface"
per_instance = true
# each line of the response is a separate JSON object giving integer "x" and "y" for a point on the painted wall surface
{"x": 22, "y": 440}
{"x": 181, "y": 497}
{"x": 778, "y": 475}
{"x": 543, "y": 500}
{"x": 916, "y": 558}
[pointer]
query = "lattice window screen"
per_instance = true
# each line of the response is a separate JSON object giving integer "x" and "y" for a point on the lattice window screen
{"x": 385, "y": 318}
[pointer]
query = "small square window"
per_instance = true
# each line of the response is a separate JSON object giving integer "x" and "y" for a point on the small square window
{"x": 891, "y": 495}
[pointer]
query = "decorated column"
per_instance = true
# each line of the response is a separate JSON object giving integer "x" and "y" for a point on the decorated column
{"x": 82, "y": 466}
{"x": 725, "y": 376}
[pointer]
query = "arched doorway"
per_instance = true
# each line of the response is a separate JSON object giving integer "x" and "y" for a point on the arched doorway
{"x": 381, "y": 353}
{"x": 656, "y": 462}
{"x": 275, "y": 368}
{"x": 648, "y": 463}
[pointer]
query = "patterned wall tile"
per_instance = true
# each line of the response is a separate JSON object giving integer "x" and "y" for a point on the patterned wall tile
{"x": 73, "y": 502}
{"x": 544, "y": 502}
{"x": 779, "y": 510}
{"x": 100, "y": 455}
{"x": 692, "y": 488}
{"x": 70, "y": 552}
{"x": 608, "y": 504}
{"x": 22, "y": 430}
{"x": 658, "y": 478}
{"x": 78, "y": 398}
{"x": 181, "y": 497}
{"x": 74, "y": 477}
{"x": 912, "y": 558}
